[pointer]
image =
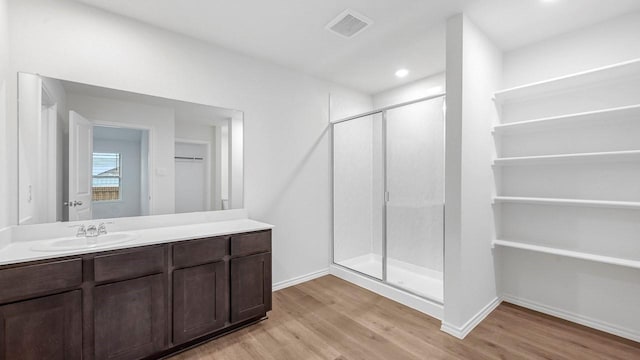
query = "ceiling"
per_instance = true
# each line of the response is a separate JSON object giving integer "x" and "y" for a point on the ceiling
{"x": 405, "y": 33}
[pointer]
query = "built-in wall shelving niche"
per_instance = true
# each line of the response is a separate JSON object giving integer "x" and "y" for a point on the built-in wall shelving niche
{"x": 607, "y": 115}
{"x": 567, "y": 202}
{"x": 617, "y": 71}
{"x": 613, "y": 156}
{"x": 568, "y": 253}
{"x": 563, "y": 101}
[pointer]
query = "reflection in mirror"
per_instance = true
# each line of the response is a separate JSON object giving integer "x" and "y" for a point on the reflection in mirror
{"x": 87, "y": 152}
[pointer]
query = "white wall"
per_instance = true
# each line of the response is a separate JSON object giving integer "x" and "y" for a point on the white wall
{"x": 58, "y": 96}
{"x": 598, "y": 295}
{"x": 30, "y": 192}
{"x": 236, "y": 141}
{"x": 286, "y": 134}
{"x": 145, "y": 191}
{"x": 160, "y": 122}
{"x": 194, "y": 131}
{"x": 5, "y": 206}
{"x": 414, "y": 90}
{"x": 222, "y": 164}
{"x": 474, "y": 67}
{"x": 604, "y": 44}
{"x": 42, "y": 135}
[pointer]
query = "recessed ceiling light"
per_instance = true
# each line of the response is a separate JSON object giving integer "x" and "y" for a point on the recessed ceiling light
{"x": 402, "y": 73}
{"x": 548, "y": 1}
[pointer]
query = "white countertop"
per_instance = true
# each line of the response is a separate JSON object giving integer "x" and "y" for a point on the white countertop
{"x": 21, "y": 251}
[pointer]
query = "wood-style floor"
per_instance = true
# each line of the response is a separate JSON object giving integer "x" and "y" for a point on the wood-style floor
{"x": 328, "y": 318}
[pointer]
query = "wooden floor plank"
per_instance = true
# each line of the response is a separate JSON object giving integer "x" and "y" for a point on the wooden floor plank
{"x": 329, "y": 318}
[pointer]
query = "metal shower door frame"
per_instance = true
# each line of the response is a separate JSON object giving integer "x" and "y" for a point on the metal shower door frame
{"x": 382, "y": 111}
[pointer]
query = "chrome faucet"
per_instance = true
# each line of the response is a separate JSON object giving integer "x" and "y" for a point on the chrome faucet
{"x": 92, "y": 231}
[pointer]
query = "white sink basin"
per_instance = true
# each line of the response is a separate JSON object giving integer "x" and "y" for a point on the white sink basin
{"x": 79, "y": 243}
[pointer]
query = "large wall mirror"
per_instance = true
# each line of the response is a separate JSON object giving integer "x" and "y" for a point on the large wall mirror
{"x": 88, "y": 152}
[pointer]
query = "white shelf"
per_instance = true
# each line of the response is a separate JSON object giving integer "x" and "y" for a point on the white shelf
{"x": 569, "y": 253}
{"x": 620, "y": 70}
{"x": 613, "y": 156}
{"x": 608, "y": 115}
{"x": 568, "y": 202}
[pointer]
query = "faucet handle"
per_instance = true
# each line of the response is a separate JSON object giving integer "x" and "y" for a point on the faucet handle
{"x": 102, "y": 228}
{"x": 82, "y": 231}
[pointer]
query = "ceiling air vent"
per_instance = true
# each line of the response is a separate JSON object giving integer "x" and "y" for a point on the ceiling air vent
{"x": 349, "y": 24}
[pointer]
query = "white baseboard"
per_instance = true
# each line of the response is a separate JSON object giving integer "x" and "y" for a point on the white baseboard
{"x": 423, "y": 305}
{"x": 573, "y": 317}
{"x": 300, "y": 279}
{"x": 462, "y": 332}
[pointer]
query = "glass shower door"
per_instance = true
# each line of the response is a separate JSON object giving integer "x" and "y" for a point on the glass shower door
{"x": 415, "y": 198}
{"x": 358, "y": 195}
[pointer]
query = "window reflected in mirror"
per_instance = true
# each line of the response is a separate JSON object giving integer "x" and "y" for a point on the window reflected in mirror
{"x": 106, "y": 181}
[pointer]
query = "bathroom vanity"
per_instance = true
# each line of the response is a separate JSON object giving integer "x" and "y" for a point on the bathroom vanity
{"x": 168, "y": 268}
{"x": 152, "y": 296}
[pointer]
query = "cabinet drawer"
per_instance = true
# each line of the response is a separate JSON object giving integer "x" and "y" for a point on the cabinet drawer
{"x": 198, "y": 252}
{"x": 128, "y": 265}
{"x": 28, "y": 281}
{"x": 252, "y": 243}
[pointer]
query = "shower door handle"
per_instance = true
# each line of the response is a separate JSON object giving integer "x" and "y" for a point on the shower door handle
{"x": 386, "y": 196}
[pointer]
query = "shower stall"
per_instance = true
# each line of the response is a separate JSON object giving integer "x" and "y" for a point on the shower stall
{"x": 388, "y": 196}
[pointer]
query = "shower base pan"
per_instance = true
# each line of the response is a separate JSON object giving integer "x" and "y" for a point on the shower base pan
{"x": 418, "y": 280}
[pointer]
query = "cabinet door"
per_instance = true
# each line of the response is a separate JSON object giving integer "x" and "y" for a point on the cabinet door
{"x": 199, "y": 296}
{"x": 130, "y": 318}
{"x": 250, "y": 286}
{"x": 46, "y": 328}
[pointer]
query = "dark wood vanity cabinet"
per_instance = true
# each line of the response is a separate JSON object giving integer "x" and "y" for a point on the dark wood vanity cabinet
{"x": 227, "y": 281}
{"x": 200, "y": 287}
{"x": 250, "y": 286}
{"x": 250, "y": 275}
{"x": 40, "y": 312}
{"x": 135, "y": 303}
{"x": 199, "y": 301}
{"x": 129, "y": 303}
{"x": 129, "y": 318}
{"x": 48, "y": 327}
